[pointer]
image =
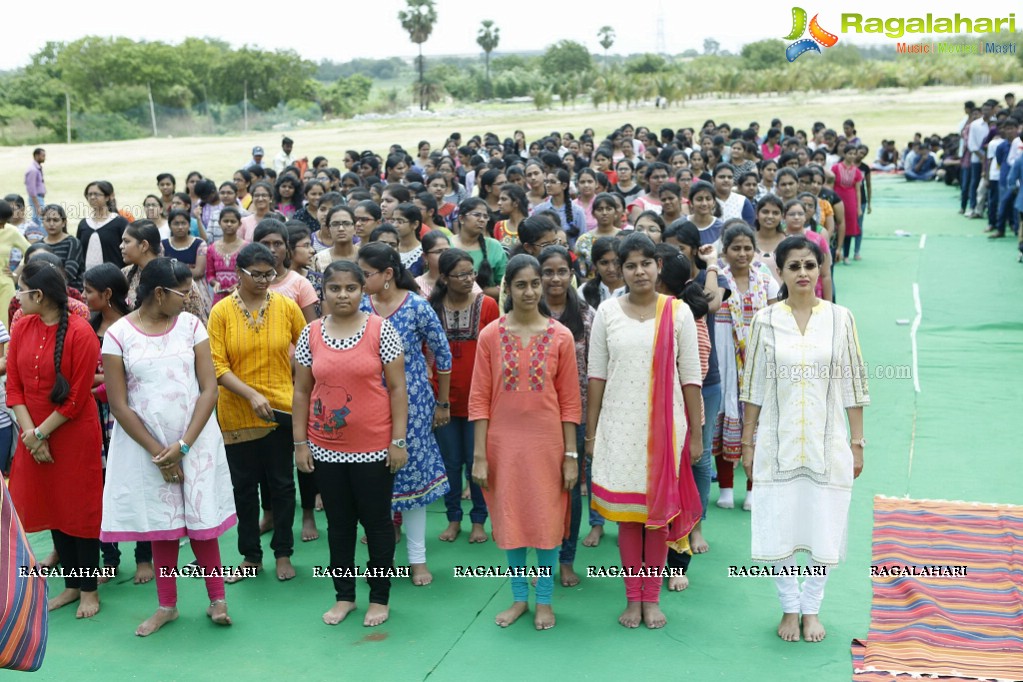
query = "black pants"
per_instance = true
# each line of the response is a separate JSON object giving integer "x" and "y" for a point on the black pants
{"x": 679, "y": 559}
{"x": 270, "y": 456}
{"x": 307, "y": 492}
{"x": 358, "y": 493}
{"x": 112, "y": 553}
{"x": 77, "y": 554}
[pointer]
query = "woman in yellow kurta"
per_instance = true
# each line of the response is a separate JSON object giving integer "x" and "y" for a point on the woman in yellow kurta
{"x": 10, "y": 238}
{"x": 526, "y": 373}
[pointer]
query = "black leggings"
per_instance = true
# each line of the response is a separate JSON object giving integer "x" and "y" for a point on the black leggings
{"x": 80, "y": 555}
{"x": 250, "y": 462}
{"x": 352, "y": 494}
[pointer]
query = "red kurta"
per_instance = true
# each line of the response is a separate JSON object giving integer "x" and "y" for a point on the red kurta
{"x": 536, "y": 384}
{"x": 66, "y": 495}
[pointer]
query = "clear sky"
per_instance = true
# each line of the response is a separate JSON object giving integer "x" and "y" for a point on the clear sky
{"x": 369, "y": 28}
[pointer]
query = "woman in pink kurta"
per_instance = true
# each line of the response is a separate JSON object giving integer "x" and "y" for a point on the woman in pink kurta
{"x": 848, "y": 177}
{"x": 526, "y": 373}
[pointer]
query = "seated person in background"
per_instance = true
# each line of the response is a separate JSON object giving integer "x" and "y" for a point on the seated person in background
{"x": 921, "y": 163}
{"x": 887, "y": 157}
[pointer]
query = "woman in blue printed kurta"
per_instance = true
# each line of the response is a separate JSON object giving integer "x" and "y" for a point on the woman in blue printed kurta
{"x": 391, "y": 294}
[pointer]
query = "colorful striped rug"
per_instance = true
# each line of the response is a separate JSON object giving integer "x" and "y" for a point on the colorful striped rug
{"x": 945, "y": 625}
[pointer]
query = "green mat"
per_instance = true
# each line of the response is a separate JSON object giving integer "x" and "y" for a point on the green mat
{"x": 952, "y": 440}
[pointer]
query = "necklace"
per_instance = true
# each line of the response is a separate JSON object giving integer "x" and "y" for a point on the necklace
{"x": 642, "y": 315}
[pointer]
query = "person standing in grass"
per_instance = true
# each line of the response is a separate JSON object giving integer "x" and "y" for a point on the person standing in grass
{"x": 349, "y": 432}
{"x": 526, "y": 372}
{"x": 802, "y": 441}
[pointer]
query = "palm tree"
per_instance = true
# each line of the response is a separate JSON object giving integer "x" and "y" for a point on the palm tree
{"x": 607, "y": 39}
{"x": 418, "y": 20}
{"x": 487, "y": 38}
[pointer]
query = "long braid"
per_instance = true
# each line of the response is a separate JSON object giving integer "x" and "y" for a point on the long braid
{"x": 485, "y": 277}
{"x": 61, "y": 387}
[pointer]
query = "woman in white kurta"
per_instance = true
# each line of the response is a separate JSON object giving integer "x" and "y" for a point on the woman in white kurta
{"x": 636, "y": 371}
{"x": 803, "y": 375}
{"x": 167, "y": 472}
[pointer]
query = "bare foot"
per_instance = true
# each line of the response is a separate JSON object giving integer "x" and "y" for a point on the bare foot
{"x": 318, "y": 504}
{"x": 510, "y": 615}
{"x": 632, "y": 616}
{"x": 788, "y": 628}
{"x": 376, "y": 614}
{"x": 68, "y": 596}
{"x": 163, "y": 615}
{"x": 478, "y": 534}
{"x": 51, "y": 560}
{"x": 451, "y": 532}
{"x": 217, "y": 611}
{"x": 243, "y": 571}
{"x": 338, "y": 612}
{"x": 420, "y": 575}
{"x": 697, "y": 542}
{"x": 653, "y": 616}
{"x": 677, "y": 583}
{"x": 569, "y": 578}
{"x": 544, "y": 618}
{"x": 309, "y": 530}
{"x": 144, "y": 573}
{"x": 88, "y": 605}
{"x": 592, "y": 538}
{"x": 107, "y": 577}
{"x": 266, "y": 524}
{"x": 285, "y": 571}
{"x": 813, "y": 629}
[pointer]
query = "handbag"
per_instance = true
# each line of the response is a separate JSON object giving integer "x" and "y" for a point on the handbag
{"x": 23, "y": 612}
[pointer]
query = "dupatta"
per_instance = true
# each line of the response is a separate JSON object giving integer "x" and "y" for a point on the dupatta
{"x": 672, "y": 497}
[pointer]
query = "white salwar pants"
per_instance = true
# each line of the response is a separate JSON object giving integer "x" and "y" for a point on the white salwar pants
{"x": 793, "y": 600}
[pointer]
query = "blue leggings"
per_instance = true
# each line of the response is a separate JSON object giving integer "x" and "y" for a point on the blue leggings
{"x": 544, "y": 584}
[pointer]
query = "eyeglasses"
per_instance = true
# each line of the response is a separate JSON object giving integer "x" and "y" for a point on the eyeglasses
{"x": 561, "y": 274}
{"x": 267, "y": 276}
{"x": 175, "y": 291}
{"x": 26, "y": 291}
{"x": 544, "y": 245}
{"x": 479, "y": 216}
{"x": 810, "y": 266}
{"x": 367, "y": 275}
{"x": 363, "y": 219}
{"x": 464, "y": 276}
{"x": 346, "y": 225}
{"x": 436, "y": 252}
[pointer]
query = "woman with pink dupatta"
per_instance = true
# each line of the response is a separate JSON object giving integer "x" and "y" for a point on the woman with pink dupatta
{"x": 643, "y": 426}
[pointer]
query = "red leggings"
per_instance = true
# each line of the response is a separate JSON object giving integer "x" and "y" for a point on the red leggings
{"x": 642, "y": 548}
{"x": 165, "y": 558}
{"x": 726, "y": 473}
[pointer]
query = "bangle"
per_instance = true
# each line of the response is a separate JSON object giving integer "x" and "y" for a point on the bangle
{"x": 590, "y": 438}
{"x": 746, "y": 442}
{"x": 300, "y": 442}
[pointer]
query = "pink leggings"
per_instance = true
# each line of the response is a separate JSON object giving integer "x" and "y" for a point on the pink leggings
{"x": 165, "y": 558}
{"x": 643, "y": 548}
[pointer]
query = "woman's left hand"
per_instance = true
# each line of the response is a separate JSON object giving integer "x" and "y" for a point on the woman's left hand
{"x": 695, "y": 447}
{"x": 42, "y": 453}
{"x": 28, "y": 437}
{"x": 173, "y": 474}
{"x": 857, "y": 452}
{"x": 747, "y": 461}
{"x": 570, "y": 472}
{"x": 441, "y": 417}
{"x": 168, "y": 457}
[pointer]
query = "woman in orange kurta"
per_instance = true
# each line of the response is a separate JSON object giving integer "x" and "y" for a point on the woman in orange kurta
{"x": 57, "y": 479}
{"x": 526, "y": 373}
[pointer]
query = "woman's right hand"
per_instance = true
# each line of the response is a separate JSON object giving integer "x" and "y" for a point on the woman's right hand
{"x": 396, "y": 458}
{"x": 588, "y": 446}
{"x": 479, "y": 470}
{"x": 708, "y": 253}
{"x": 42, "y": 453}
{"x": 261, "y": 406}
{"x": 304, "y": 459}
{"x": 747, "y": 461}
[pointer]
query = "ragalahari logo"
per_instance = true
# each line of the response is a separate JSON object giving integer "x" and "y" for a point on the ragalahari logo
{"x": 818, "y": 34}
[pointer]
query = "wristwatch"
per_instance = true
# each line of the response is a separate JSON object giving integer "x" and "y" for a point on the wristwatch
{"x": 399, "y": 443}
{"x": 184, "y": 447}
{"x": 39, "y": 434}
{"x": 862, "y": 442}
{"x": 444, "y": 406}
{"x": 572, "y": 455}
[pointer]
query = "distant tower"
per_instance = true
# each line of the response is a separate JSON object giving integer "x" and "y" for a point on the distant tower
{"x": 661, "y": 47}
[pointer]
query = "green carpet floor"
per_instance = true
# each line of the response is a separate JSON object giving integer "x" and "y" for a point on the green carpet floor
{"x": 951, "y": 440}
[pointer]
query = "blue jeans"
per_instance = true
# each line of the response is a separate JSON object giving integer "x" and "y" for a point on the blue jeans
{"x": 569, "y": 544}
{"x": 965, "y": 180}
{"x": 976, "y": 171}
{"x": 457, "y": 441}
{"x": 1007, "y": 210}
{"x": 992, "y": 203}
{"x": 703, "y": 469}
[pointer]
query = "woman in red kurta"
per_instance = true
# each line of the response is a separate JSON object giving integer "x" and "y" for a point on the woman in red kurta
{"x": 57, "y": 479}
{"x": 526, "y": 373}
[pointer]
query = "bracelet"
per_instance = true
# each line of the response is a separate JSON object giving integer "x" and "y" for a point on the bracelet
{"x": 300, "y": 442}
{"x": 588, "y": 439}
{"x": 745, "y": 442}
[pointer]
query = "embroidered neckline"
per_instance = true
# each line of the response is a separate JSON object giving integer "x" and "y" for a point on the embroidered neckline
{"x": 255, "y": 323}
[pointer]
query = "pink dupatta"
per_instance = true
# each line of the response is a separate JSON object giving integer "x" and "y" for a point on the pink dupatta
{"x": 672, "y": 498}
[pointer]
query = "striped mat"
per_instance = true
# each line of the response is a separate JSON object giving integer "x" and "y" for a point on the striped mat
{"x": 947, "y": 626}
